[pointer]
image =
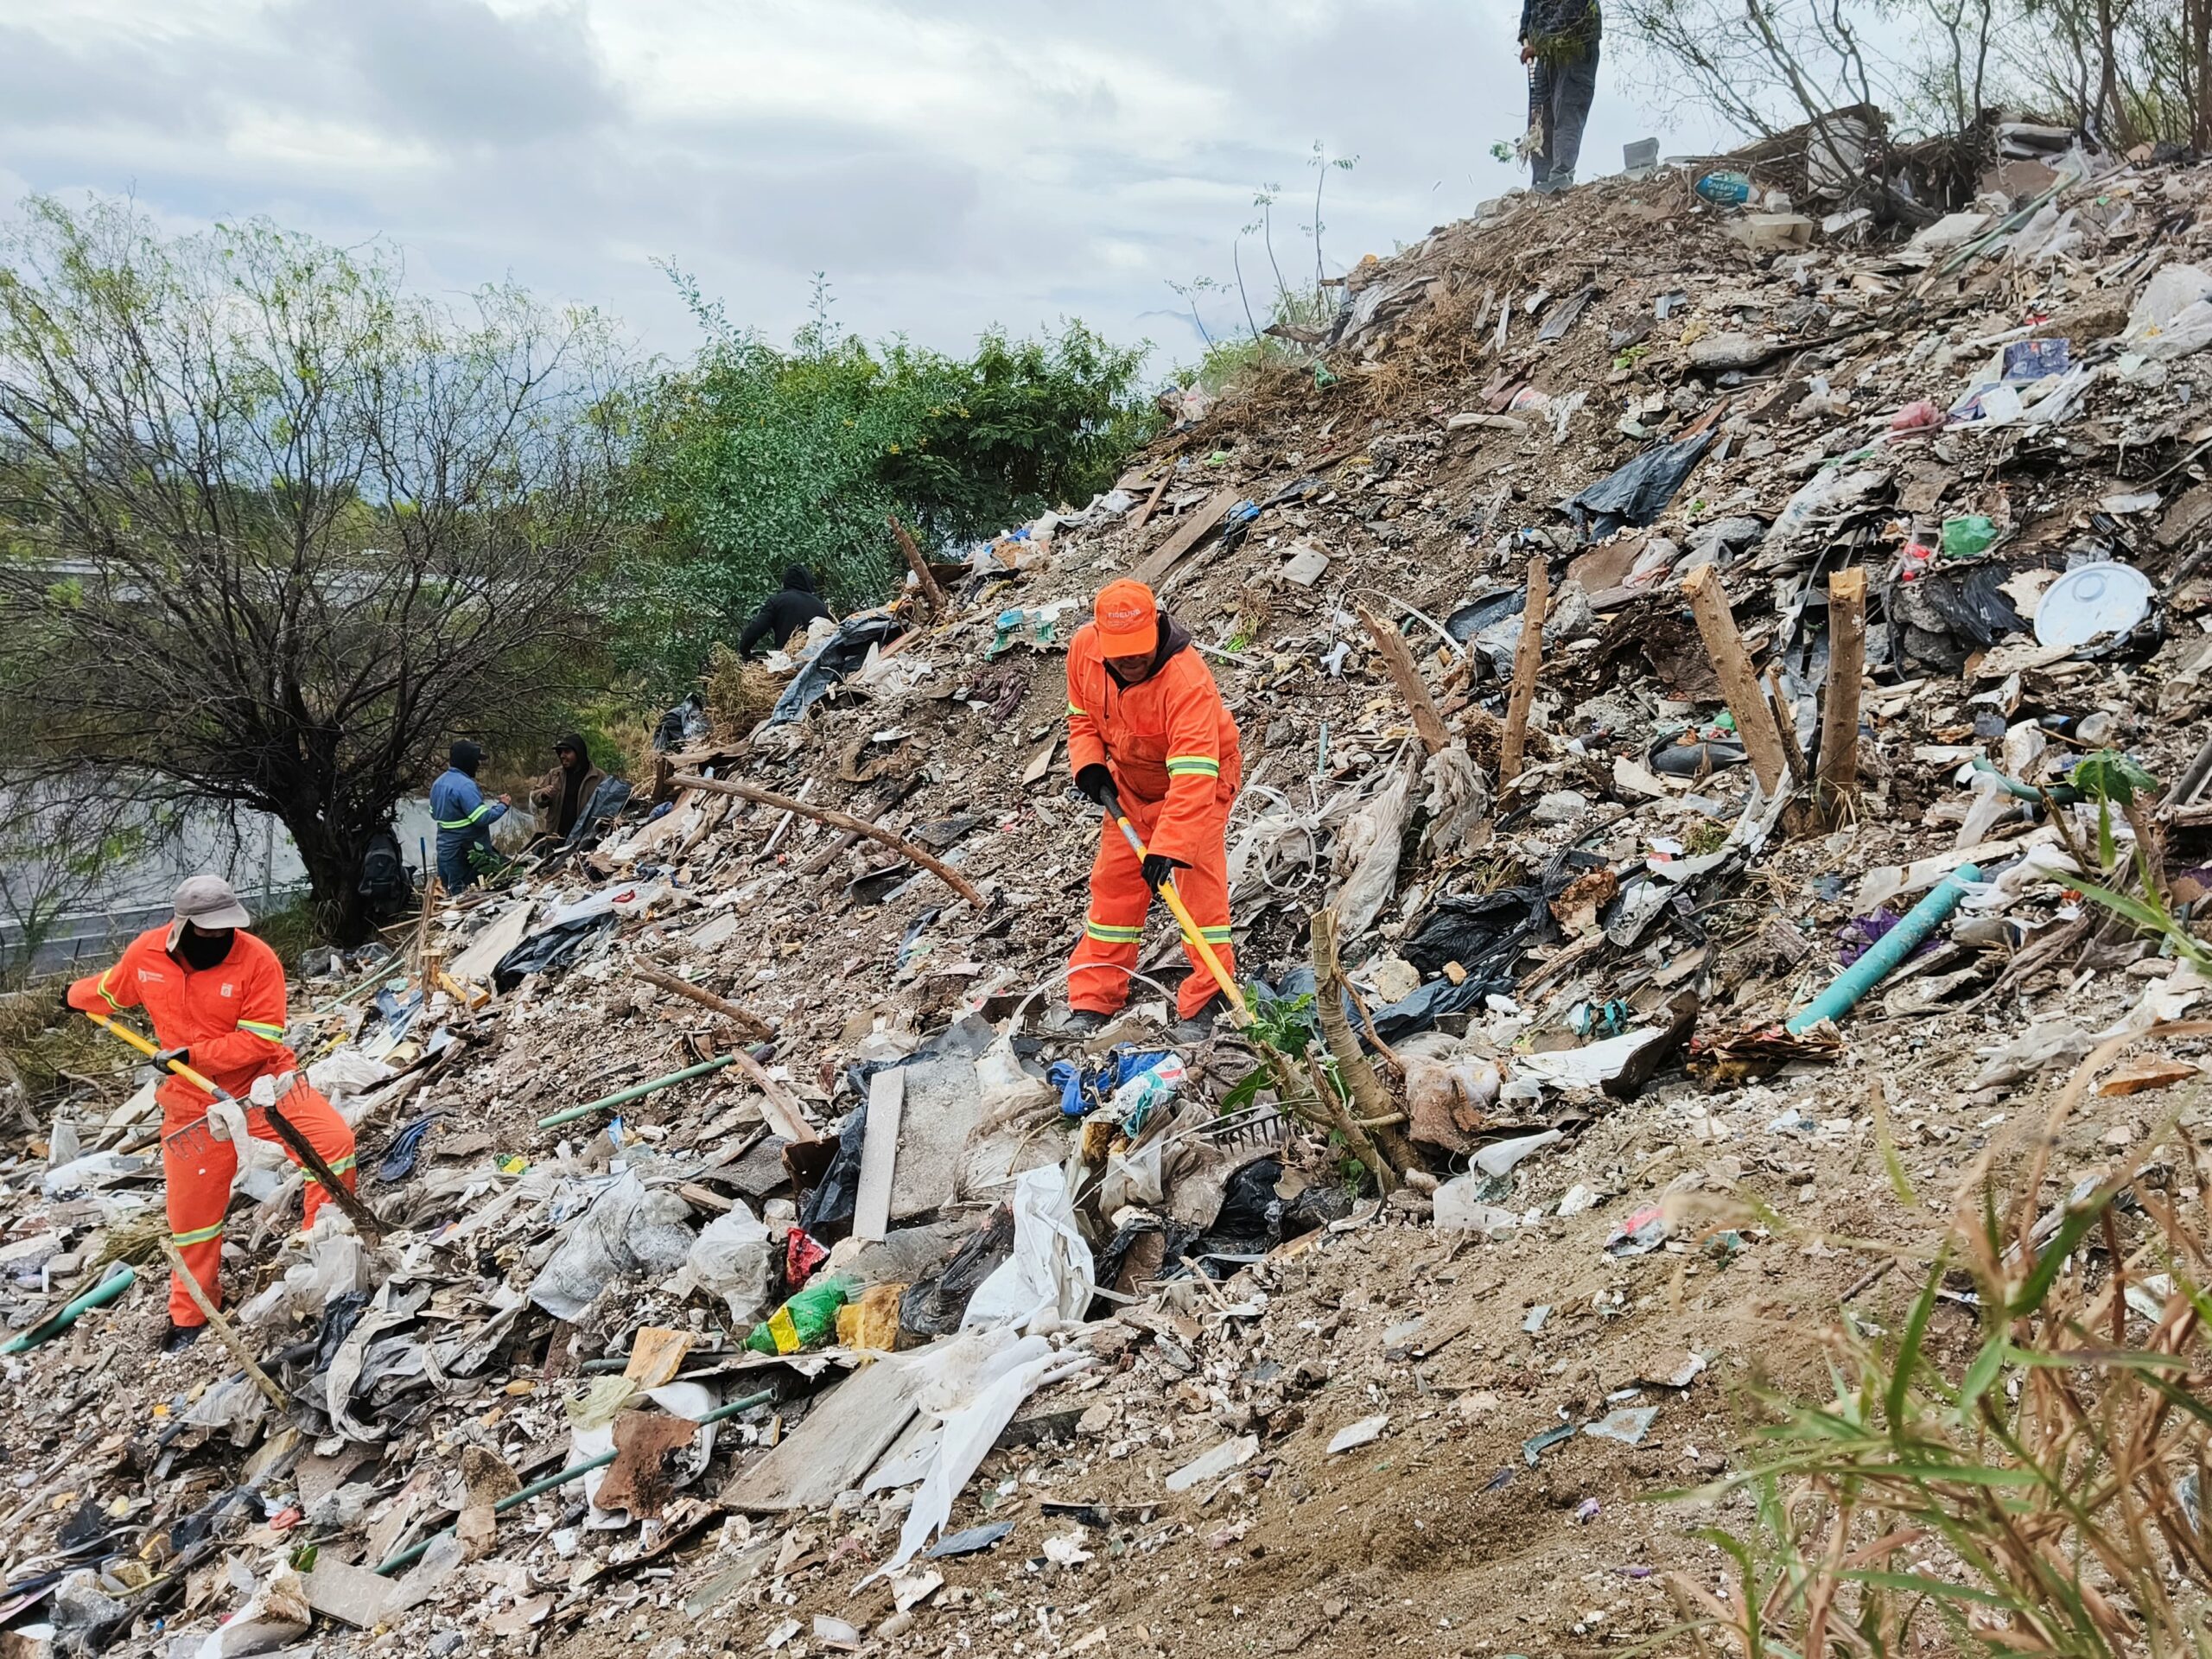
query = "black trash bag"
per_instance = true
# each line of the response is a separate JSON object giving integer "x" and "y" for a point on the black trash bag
{"x": 1673, "y": 759}
{"x": 1316, "y": 1207}
{"x": 826, "y": 1215}
{"x": 1249, "y": 1206}
{"x": 933, "y": 1306}
{"x": 599, "y": 813}
{"x": 1424, "y": 1008}
{"x": 1973, "y": 601}
{"x": 1106, "y": 1264}
{"x": 553, "y": 948}
{"x": 1637, "y": 494}
{"x": 1483, "y": 932}
{"x": 843, "y": 652}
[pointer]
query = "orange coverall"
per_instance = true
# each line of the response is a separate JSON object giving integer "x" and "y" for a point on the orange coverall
{"x": 1172, "y": 745}
{"x": 232, "y": 1018}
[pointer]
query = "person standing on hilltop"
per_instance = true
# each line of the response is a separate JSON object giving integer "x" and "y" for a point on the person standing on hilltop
{"x": 1559, "y": 42}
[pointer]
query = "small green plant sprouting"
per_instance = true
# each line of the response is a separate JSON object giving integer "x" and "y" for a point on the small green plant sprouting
{"x": 2111, "y": 778}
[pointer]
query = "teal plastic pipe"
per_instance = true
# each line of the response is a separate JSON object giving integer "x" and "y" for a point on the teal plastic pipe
{"x": 1881, "y": 957}
{"x": 98, "y": 1296}
{"x": 636, "y": 1091}
{"x": 574, "y": 1471}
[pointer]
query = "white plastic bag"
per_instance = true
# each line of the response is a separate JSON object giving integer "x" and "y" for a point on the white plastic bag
{"x": 629, "y": 1232}
{"x": 732, "y": 1259}
{"x": 1049, "y": 1278}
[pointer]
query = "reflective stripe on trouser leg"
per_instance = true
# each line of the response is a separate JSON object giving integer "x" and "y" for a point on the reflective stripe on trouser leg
{"x": 318, "y": 1122}
{"x": 1098, "y": 980}
{"x": 196, "y": 1171}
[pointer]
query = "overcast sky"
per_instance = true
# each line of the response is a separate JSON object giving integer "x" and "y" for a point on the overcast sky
{"x": 949, "y": 164}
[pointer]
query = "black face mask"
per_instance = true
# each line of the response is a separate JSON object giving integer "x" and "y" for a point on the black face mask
{"x": 203, "y": 950}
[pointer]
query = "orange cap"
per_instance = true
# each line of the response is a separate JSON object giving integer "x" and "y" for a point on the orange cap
{"x": 1128, "y": 619}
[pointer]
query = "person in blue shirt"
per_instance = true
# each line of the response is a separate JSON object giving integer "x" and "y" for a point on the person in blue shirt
{"x": 464, "y": 819}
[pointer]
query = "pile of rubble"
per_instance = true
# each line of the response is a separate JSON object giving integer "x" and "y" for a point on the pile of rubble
{"x": 758, "y": 1264}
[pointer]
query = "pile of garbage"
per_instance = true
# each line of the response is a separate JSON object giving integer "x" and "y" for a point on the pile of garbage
{"x": 1719, "y": 695}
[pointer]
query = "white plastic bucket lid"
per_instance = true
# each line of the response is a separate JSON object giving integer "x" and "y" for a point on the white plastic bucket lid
{"x": 2092, "y": 599}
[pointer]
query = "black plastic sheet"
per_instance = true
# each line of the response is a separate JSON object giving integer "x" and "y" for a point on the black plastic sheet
{"x": 844, "y": 651}
{"x": 933, "y": 1306}
{"x": 1637, "y": 494}
{"x": 551, "y": 948}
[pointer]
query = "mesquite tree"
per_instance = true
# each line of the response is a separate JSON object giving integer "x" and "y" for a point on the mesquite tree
{"x": 275, "y": 530}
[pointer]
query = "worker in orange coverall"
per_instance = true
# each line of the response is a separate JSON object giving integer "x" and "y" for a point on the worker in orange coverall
{"x": 215, "y": 995}
{"x": 1145, "y": 721}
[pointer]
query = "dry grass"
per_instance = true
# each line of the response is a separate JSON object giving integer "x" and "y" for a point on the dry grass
{"x": 2038, "y": 1495}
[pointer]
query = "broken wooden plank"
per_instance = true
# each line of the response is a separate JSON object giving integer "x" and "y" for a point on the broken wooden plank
{"x": 1151, "y": 502}
{"x": 751, "y": 1024}
{"x": 1193, "y": 530}
{"x": 850, "y": 1427}
{"x": 844, "y": 821}
{"x": 887, "y": 1099}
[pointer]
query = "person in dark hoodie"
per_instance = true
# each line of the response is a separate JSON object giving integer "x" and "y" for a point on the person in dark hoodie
{"x": 464, "y": 819}
{"x": 1147, "y": 725}
{"x": 789, "y": 609}
{"x": 567, "y": 790}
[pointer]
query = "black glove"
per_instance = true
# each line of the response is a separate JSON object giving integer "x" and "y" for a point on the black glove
{"x": 1157, "y": 868}
{"x": 166, "y": 1057}
{"x": 1096, "y": 782}
{"x": 68, "y": 1007}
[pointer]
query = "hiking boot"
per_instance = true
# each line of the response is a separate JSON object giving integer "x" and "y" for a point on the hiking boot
{"x": 179, "y": 1337}
{"x": 1084, "y": 1022}
{"x": 1202, "y": 1025}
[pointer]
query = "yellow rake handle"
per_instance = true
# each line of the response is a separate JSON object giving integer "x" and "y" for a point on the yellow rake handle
{"x": 1192, "y": 936}
{"x": 196, "y": 1079}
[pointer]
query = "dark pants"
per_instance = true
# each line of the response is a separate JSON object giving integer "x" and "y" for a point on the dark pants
{"x": 1562, "y": 91}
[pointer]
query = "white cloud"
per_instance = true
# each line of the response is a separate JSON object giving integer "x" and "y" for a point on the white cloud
{"x": 950, "y": 164}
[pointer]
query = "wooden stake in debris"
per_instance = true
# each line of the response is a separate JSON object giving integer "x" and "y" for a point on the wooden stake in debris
{"x": 422, "y": 952}
{"x": 1839, "y": 780}
{"x": 932, "y": 594}
{"x": 831, "y": 816}
{"x": 1528, "y": 659}
{"x": 748, "y": 1021}
{"x": 1398, "y": 660}
{"x": 276, "y": 1397}
{"x": 1739, "y": 681}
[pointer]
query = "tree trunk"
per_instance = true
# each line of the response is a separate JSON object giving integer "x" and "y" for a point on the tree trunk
{"x": 332, "y": 849}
